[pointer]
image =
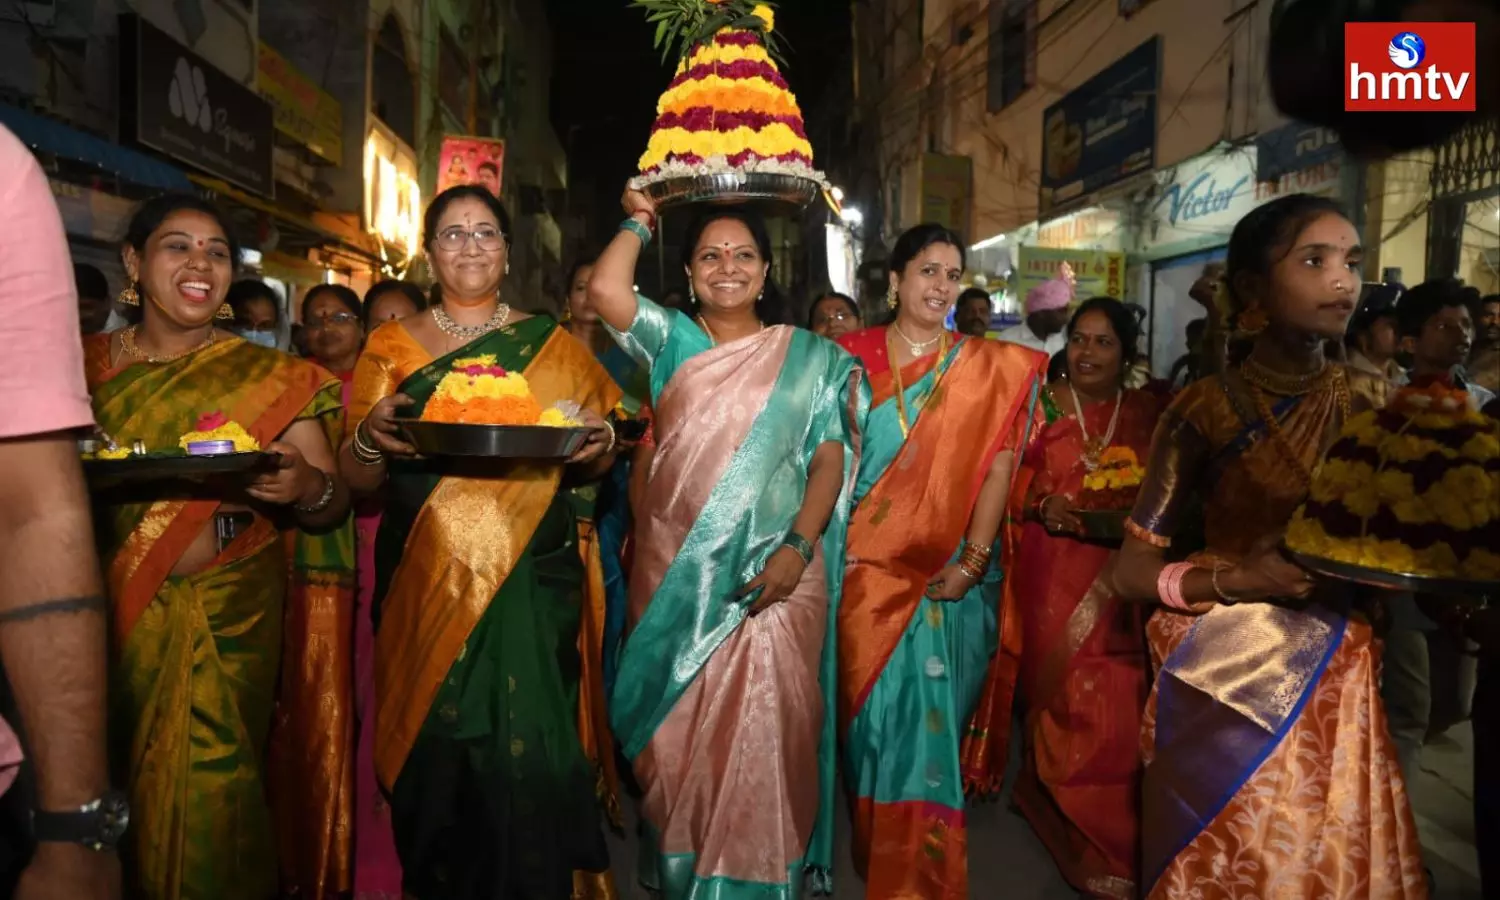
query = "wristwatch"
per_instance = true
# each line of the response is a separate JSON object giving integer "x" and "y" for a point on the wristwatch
{"x": 98, "y": 825}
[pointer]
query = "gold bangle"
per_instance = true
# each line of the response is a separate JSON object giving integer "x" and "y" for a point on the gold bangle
{"x": 363, "y": 453}
{"x": 611, "y": 431}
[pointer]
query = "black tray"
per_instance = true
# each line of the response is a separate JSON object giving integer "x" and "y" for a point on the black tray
{"x": 496, "y": 441}
{"x": 1103, "y": 525}
{"x": 163, "y": 466}
{"x": 1392, "y": 581}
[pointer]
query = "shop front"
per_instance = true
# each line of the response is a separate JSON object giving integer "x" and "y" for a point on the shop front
{"x": 1187, "y": 218}
{"x": 393, "y": 199}
{"x": 1090, "y": 240}
{"x": 1463, "y": 238}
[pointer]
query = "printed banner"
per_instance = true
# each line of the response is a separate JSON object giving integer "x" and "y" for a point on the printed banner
{"x": 471, "y": 160}
{"x": 1100, "y": 273}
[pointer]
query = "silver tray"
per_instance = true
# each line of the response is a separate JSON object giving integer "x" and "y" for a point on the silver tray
{"x": 1393, "y": 581}
{"x": 502, "y": 441}
{"x": 733, "y": 187}
{"x": 167, "y": 466}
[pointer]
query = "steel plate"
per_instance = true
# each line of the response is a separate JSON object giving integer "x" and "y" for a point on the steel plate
{"x": 733, "y": 187}
{"x": 502, "y": 441}
{"x": 162, "y": 467}
{"x": 1392, "y": 581}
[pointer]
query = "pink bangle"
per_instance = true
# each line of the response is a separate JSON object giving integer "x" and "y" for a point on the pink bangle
{"x": 1169, "y": 585}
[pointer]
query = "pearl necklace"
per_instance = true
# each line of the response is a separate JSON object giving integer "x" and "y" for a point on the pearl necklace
{"x": 128, "y": 344}
{"x": 447, "y": 326}
{"x": 918, "y": 348}
{"x": 1092, "y": 447}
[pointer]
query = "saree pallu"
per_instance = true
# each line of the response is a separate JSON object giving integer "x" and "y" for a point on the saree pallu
{"x": 912, "y": 670}
{"x": 1083, "y": 668}
{"x": 1269, "y": 766}
{"x": 232, "y": 708}
{"x": 480, "y": 629}
{"x": 723, "y": 715}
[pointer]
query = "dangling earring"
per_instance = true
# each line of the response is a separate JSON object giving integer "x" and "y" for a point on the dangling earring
{"x": 226, "y": 312}
{"x": 567, "y": 314}
{"x": 692, "y": 295}
{"x": 507, "y": 267}
{"x": 128, "y": 297}
{"x": 890, "y": 298}
{"x": 1252, "y": 321}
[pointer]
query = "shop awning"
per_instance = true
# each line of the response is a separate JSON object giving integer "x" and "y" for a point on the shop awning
{"x": 299, "y": 233}
{"x": 50, "y": 136}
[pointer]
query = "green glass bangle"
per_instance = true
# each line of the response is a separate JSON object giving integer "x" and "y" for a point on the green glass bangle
{"x": 801, "y": 545}
{"x": 637, "y": 229}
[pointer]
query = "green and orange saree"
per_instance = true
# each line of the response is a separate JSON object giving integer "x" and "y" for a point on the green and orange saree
{"x": 489, "y": 721}
{"x": 915, "y": 672}
{"x": 232, "y": 693}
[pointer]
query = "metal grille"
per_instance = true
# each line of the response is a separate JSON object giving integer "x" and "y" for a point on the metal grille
{"x": 1467, "y": 162}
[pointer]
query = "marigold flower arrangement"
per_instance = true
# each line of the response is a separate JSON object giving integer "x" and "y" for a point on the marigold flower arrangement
{"x": 216, "y": 426}
{"x": 478, "y": 391}
{"x": 1412, "y": 489}
{"x": 1116, "y": 481}
{"x": 727, "y": 108}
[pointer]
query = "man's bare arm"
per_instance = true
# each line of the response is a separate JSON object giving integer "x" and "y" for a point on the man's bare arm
{"x": 53, "y": 617}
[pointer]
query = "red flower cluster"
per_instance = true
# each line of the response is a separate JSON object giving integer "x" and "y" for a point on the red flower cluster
{"x": 739, "y": 69}
{"x": 703, "y": 118}
{"x": 211, "y": 420}
{"x": 496, "y": 371}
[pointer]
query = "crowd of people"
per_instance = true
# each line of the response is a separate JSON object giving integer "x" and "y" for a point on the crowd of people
{"x": 790, "y": 568}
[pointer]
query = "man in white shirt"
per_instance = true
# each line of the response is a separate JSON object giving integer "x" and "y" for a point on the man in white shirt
{"x": 1046, "y": 317}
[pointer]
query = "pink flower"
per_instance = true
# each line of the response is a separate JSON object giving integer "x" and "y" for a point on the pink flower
{"x": 210, "y": 421}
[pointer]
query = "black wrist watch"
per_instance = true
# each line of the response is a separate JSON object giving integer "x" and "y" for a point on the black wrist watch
{"x": 98, "y": 825}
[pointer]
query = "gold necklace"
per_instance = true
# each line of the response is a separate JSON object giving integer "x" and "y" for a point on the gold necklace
{"x": 447, "y": 326}
{"x": 1094, "y": 446}
{"x": 133, "y": 350}
{"x": 714, "y": 339}
{"x": 1279, "y": 383}
{"x": 917, "y": 348}
{"x": 1340, "y": 388}
{"x": 942, "y": 352}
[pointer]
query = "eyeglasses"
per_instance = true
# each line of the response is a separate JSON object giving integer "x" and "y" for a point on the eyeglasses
{"x": 842, "y": 315}
{"x": 485, "y": 238}
{"x": 338, "y": 319}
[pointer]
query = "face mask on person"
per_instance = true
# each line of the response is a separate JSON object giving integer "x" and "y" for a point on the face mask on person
{"x": 261, "y": 337}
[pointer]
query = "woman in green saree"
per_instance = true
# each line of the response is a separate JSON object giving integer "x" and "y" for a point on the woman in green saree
{"x": 206, "y": 620}
{"x": 724, "y": 695}
{"x": 488, "y": 706}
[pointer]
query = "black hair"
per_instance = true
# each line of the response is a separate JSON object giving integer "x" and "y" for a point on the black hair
{"x": 440, "y": 204}
{"x": 1057, "y": 367}
{"x": 973, "y": 293}
{"x": 1195, "y": 326}
{"x": 90, "y": 281}
{"x": 1123, "y": 318}
{"x": 1429, "y": 298}
{"x": 406, "y": 288}
{"x": 578, "y": 266}
{"x": 247, "y": 290}
{"x": 1377, "y": 301}
{"x": 1487, "y": 299}
{"x": 916, "y": 239}
{"x": 342, "y": 294}
{"x": 150, "y": 214}
{"x": 771, "y": 306}
{"x": 831, "y": 295}
{"x": 1265, "y": 236}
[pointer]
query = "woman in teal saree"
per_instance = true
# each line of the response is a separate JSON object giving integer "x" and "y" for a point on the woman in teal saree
{"x": 725, "y": 691}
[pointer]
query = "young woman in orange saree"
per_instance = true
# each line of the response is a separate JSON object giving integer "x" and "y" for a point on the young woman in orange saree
{"x": 918, "y": 626}
{"x": 1270, "y": 770}
{"x": 1083, "y": 664}
{"x": 232, "y": 695}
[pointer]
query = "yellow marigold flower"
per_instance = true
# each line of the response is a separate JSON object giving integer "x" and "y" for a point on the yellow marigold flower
{"x": 116, "y": 453}
{"x": 1411, "y": 448}
{"x": 765, "y": 14}
{"x": 1466, "y": 489}
{"x": 1481, "y": 565}
{"x": 1393, "y": 485}
{"x": 1482, "y": 447}
{"x": 1364, "y": 429}
{"x": 1363, "y": 501}
{"x": 1416, "y": 511}
{"x": 556, "y": 418}
{"x": 1393, "y": 556}
{"x": 1094, "y": 481}
{"x": 1439, "y": 559}
{"x": 1307, "y": 536}
{"x": 486, "y": 359}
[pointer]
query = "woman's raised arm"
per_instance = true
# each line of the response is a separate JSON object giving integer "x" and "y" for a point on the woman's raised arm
{"x": 612, "y": 285}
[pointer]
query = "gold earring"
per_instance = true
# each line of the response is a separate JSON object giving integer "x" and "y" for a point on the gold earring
{"x": 128, "y": 297}
{"x": 225, "y": 312}
{"x": 890, "y": 298}
{"x": 507, "y": 267}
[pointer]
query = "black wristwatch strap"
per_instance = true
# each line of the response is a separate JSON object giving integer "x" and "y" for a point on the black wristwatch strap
{"x": 99, "y": 824}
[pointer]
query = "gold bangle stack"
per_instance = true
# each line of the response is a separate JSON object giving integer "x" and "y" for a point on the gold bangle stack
{"x": 974, "y": 561}
{"x": 363, "y": 453}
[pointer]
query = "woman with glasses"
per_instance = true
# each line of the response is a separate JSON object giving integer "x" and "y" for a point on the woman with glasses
{"x": 478, "y": 605}
{"x": 833, "y": 315}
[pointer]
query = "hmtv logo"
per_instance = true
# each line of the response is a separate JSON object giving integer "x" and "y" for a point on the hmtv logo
{"x": 1409, "y": 67}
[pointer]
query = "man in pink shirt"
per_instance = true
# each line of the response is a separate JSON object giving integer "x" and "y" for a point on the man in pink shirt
{"x": 52, "y": 605}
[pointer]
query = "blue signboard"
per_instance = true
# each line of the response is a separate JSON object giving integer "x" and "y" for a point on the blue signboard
{"x": 1103, "y": 132}
{"x": 1294, "y": 147}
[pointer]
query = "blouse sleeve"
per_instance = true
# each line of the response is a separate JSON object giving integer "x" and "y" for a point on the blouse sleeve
{"x": 374, "y": 380}
{"x": 649, "y": 333}
{"x": 1179, "y": 454}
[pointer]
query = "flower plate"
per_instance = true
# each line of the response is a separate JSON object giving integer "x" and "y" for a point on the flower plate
{"x": 494, "y": 441}
{"x": 1104, "y": 526}
{"x": 732, "y": 187}
{"x": 174, "y": 466}
{"x": 1393, "y": 581}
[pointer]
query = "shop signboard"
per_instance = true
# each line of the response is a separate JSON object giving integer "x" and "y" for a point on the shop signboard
{"x": 471, "y": 160}
{"x": 176, "y": 102}
{"x": 1099, "y": 273}
{"x": 303, "y": 111}
{"x": 393, "y": 196}
{"x": 1103, "y": 132}
{"x": 1295, "y": 147}
{"x": 947, "y": 185}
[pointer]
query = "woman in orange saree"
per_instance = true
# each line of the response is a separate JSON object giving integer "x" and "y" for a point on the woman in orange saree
{"x": 232, "y": 695}
{"x": 917, "y": 629}
{"x": 1083, "y": 664}
{"x": 1269, "y": 766}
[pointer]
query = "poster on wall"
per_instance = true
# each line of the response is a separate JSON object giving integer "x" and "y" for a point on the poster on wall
{"x": 1099, "y": 273}
{"x": 471, "y": 160}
